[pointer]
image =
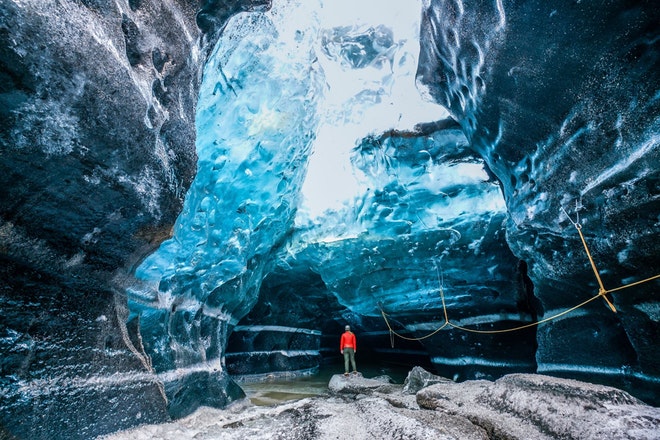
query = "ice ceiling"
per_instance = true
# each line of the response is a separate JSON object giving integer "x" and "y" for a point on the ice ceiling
{"x": 368, "y": 61}
{"x": 287, "y": 100}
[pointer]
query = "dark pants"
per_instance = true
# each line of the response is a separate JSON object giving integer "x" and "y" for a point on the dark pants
{"x": 349, "y": 355}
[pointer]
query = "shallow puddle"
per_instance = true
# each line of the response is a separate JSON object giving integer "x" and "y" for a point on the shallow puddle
{"x": 273, "y": 390}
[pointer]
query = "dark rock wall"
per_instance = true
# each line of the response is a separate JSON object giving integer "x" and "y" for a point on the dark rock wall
{"x": 560, "y": 99}
{"x": 96, "y": 152}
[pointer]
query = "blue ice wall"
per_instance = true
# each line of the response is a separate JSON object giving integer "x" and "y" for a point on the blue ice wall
{"x": 279, "y": 85}
{"x": 333, "y": 94}
{"x": 256, "y": 120}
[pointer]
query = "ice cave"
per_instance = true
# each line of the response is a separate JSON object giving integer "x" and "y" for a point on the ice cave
{"x": 202, "y": 193}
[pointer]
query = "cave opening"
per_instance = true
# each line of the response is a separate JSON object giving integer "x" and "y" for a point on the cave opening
{"x": 328, "y": 192}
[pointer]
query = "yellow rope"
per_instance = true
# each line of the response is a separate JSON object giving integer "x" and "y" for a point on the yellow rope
{"x": 601, "y": 293}
{"x": 602, "y": 290}
{"x": 634, "y": 284}
{"x": 456, "y": 326}
{"x": 392, "y": 332}
{"x": 506, "y": 330}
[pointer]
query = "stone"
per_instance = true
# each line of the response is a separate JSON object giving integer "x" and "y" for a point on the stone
{"x": 516, "y": 407}
{"x": 528, "y": 406}
{"x": 419, "y": 378}
{"x": 356, "y": 384}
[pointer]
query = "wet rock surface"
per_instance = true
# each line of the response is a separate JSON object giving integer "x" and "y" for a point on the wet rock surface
{"x": 515, "y": 407}
{"x": 354, "y": 384}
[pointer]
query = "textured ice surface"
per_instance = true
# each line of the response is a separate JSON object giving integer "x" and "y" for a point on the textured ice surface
{"x": 369, "y": 59}
{"x": 313, "y": 138}
{"x": 272, "y": 96}
{"x": 273, "y": 93}
{"x": 256, "y": 121}
{"x": 317, "y": 153}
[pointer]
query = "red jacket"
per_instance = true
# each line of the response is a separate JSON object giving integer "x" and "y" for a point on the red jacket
{"x": 348, "y": 341}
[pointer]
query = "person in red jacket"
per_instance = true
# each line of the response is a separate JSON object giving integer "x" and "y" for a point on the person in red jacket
{"x": 348, "y": 347}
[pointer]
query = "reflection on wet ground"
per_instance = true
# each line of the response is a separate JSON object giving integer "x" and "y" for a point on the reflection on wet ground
{"x": 270, "y": 390}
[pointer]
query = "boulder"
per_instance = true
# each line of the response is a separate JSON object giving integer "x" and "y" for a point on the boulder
{"x": 419, "y": 378}
{"x": 356, "y": 384}
{"x": 529, "y": 406}
{"x": 516, "y": 407}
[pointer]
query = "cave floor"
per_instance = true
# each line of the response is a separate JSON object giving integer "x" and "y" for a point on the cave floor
{"x": 272, "y": 390}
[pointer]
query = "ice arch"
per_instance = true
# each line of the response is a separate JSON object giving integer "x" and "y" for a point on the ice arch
{"x": 310, "y": 130}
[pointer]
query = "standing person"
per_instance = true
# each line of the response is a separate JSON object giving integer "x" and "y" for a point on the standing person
{"x": 348, "y": 347}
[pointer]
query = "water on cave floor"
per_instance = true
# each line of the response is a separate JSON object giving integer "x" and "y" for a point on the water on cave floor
{"x": 271, "y": 390}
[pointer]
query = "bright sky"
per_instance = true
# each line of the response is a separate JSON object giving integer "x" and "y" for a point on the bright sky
{"x": 330, "y": 180}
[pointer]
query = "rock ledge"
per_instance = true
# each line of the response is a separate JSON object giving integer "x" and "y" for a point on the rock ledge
{"x": 515, "y": 407}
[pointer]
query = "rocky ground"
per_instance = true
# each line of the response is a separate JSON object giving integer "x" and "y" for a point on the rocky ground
{"x": 515, "y": 407}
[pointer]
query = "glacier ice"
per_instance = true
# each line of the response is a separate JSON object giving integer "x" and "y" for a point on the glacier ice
{"x": 319, "y": 160}
{"x": 369, "y": 59}
{"x": 256, "y": 121}
{"x": 314, "y": 146}
{"x": 280, "y": 107}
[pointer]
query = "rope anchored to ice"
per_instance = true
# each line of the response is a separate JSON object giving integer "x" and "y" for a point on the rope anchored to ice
{"x": 602, "y": 293}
